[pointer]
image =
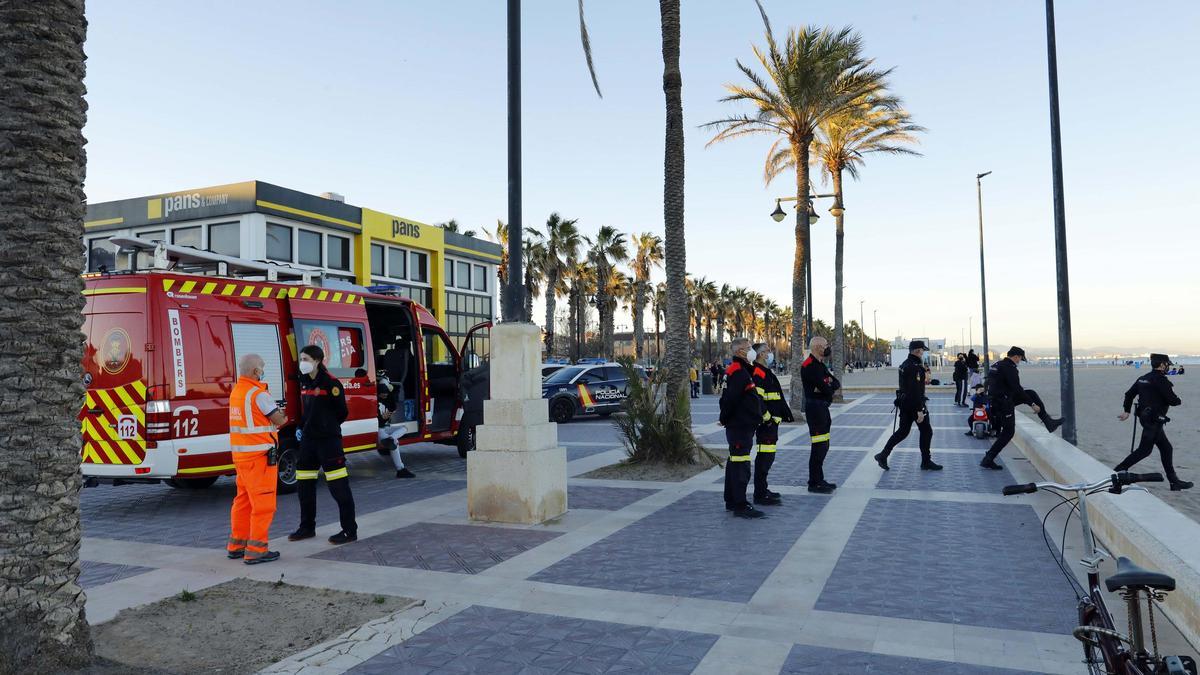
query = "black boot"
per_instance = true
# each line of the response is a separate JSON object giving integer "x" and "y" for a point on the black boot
{"x": 881, "y": 460}
{"x": 928, "y": 464}
{"x": 1177, "y": 484}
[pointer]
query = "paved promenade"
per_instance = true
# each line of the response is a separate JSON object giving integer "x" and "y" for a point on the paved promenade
{"x": 903, "y": 572}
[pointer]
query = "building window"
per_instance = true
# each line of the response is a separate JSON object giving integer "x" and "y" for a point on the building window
{"x": 481, "y": 277}
{"x": 377, "y": 260}
{"x": 339, "y": 253}
{"x": 463, "y": 273}
{"x": 225, "y": 238}
{"x": 153, "y": 235}
{"x": 418, "y": 267}
{"x": 186, "y": 236}
{"x": 279, "y": 242}
{"x": 449, "y": 280}
{"x": 397, "y": 263}
{"x": 101, "y": 254}
{"x": 310, "y": 248}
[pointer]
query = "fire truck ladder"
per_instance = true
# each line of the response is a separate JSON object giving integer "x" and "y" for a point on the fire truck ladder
{"x": 168, "y": 257}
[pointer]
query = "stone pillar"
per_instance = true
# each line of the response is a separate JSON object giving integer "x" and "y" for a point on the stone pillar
{"x": 517, "y": 472}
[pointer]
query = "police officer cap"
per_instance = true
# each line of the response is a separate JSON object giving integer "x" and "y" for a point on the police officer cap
{"x": 1157, "y": 360}
{"x": 1017, "y": 351}
{"x": 917, "y": 344}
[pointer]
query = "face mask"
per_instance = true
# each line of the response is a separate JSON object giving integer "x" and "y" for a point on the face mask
{"x": 259, "y": 375}
{"x": 828, "y": 351}
{"x": 771, "y": 358}
{"x": 306, "y": 367}
{"x": 751, "y": 355}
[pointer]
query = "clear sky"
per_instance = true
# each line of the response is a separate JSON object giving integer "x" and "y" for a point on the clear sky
{"x": 400, "y": 106}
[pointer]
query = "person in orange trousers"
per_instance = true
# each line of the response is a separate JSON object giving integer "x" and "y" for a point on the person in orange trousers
{"x": 253, "y": 420}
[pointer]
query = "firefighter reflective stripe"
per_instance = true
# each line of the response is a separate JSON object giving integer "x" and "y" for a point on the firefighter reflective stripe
{"x": 777, "y": 420}
{"x": 336, "y": 474}
{"x": 112, "y": 423}
{"x": 239, "y": 289}
{"x": 761, "y": 392}
{"x": 766, "y": 417}
{"x": 255, "y": 548}
{"x": 820, "y": 438}
{"x": 236, "y": 544}
{"x": 255, "y": 447}
{"x": 252, "y": 430}
{"x": 772, "y": 396}
{"x": 739, "y": 458}
{"x": 305, "y": 474}
{"x": 766, "y": 448}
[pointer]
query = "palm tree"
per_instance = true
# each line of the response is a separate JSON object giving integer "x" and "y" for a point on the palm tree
{"x": 534, "y": 260}
{"x": 816, "y": 74}
{"x": 582, "y": 278}
{"x": 710, "y": 297}
{"x": 724, "y": 304}
{"x": 607, "y": 249}
{"x": 620, "y": 295}
{"x": 659, "y": 300}
{"x": 648, "y": 254}
{"x": 703, "y": 296}
{"x": 500, "y": 236}
{"x": 562, "y": 245}
{"x": 41, "y": 188}
{"x": 449, "y": 226}
{"x": 876, "y": 124}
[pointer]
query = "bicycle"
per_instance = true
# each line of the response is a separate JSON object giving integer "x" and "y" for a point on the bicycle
{"x": 1104, "y": 648}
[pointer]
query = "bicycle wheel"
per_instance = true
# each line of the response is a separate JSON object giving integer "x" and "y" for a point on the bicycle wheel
{"x": 1093, "y": 655}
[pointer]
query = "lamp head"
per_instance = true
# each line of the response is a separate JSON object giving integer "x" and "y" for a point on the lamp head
{"x": 837, "y": 209}
{"x": 978, "y": 176}
{"x": 778, "y": 215}
{"x": 812, "y": 214}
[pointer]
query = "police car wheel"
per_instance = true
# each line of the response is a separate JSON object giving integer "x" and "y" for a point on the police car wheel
{"x": 562, "y": 411}
{"x": 287, "y": 471}
{"x": 192, "y": 483}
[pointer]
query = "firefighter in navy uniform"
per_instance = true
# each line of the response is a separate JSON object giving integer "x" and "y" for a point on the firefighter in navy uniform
{"x": 320, "y": 434}
{"x": 741, "y": 414}
{"x": 1155, "y": 395}
{"x": 1006, "y": 393}
{"x": 777, "y": 411}
{"x": 819, "y": 388}
{"x": 910, "y": 403}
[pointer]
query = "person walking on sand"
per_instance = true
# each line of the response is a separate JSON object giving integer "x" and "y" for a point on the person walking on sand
{"x": 1155, "y": 396}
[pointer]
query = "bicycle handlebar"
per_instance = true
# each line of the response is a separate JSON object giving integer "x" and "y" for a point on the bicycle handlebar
{"x": 1120, "y": 479}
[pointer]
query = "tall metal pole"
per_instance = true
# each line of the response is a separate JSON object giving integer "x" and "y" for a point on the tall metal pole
{"x": 875, "y": 342}
{"x": 808, "y": 293}
{"x": 1066, "y": 371}
{"x": 971, "y": 331}
{"x": 514, "y": 307}
{"x": 862, "y": 333}
{"x": 982, "y": 276}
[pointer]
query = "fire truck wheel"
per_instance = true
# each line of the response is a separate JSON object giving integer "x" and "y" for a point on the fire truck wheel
{"x": 465, "y": 440}
{"x": 192, "y": 483}
{"x": 287, "y": 471}
{"x": 562, "y": 410}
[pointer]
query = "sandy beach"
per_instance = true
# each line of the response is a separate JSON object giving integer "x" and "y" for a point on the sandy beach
{"x": 1098, "y": 394}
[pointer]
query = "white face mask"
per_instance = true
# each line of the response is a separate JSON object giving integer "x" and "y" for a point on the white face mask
{"x": 307, "y": 367}
{"x": 751, "y": 355}
{"x": 771, "y": 359}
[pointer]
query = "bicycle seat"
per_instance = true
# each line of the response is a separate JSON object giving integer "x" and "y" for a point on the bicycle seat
{"x": 1130, "y": 575}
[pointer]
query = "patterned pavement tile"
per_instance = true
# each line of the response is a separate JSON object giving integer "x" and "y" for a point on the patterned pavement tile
{"x": 875, "y": 408}
{"x": 857, "y": 419}
{"x": 604, "y": 498}
{"x": 950, "y": 439}
{"x": 791, "y": 466}
{"x": 852, "y": 437}
{"x": 951, "y": 562}
{"x": 496, "y": 641}
{"x": 695, "y": 543}
{"x": 589, "y": 429}
{"x": 464, "y": 549}
{"x": 961, "y": 473}
{"x": 827, "y": 661}
{"x": 575, "y": 452}
{"x": 92, "y": 574}
{"x": 160, "y": 514}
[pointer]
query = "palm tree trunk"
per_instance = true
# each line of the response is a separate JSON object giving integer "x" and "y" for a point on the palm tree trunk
{"x": 675, "y": 247}
{"x": 41, "y": 188}
{"x": 551, "y": 301}
{"x": 639, "y": 304}
{"x": 707, "y": 341}
{"x": 800, "y": 149}
{"x": 839, "y": 333}
{"x": 721, "y": 335}
{"x": 657, "y": 335}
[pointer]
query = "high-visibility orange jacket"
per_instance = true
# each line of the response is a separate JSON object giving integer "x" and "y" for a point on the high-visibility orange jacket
{"x": 250, "y": 430}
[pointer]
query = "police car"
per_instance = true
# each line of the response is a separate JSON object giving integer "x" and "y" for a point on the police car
{"x": 586, "y": 389}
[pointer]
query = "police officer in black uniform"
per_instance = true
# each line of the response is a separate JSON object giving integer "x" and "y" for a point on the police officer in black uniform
{"x": 960, "y": 380}
{"x": 320, "y": 433}
{"x": 741, "y": 413}
{"x": 819, "y": 388}
{"x": 910, "y": 402}
{"x": 1155, "y": 395}
{"x": 1006, "y": 393}
{"x": 777, "y": 411}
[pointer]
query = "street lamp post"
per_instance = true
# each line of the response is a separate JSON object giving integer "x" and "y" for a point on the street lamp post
{"x": 862, "y": 333}
{"x": 515, "y": 297}
{"x": 982, "y": 276}
{"x": 875, "y": 341}
{"x": 1066, "y": 371}
{"x": 778, "y": 215}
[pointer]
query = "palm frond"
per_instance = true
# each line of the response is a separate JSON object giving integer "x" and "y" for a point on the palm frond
{"x": 587, "y": 50}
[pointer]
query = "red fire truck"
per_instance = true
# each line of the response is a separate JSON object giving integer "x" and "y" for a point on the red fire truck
{"x": 162, "y": 347}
